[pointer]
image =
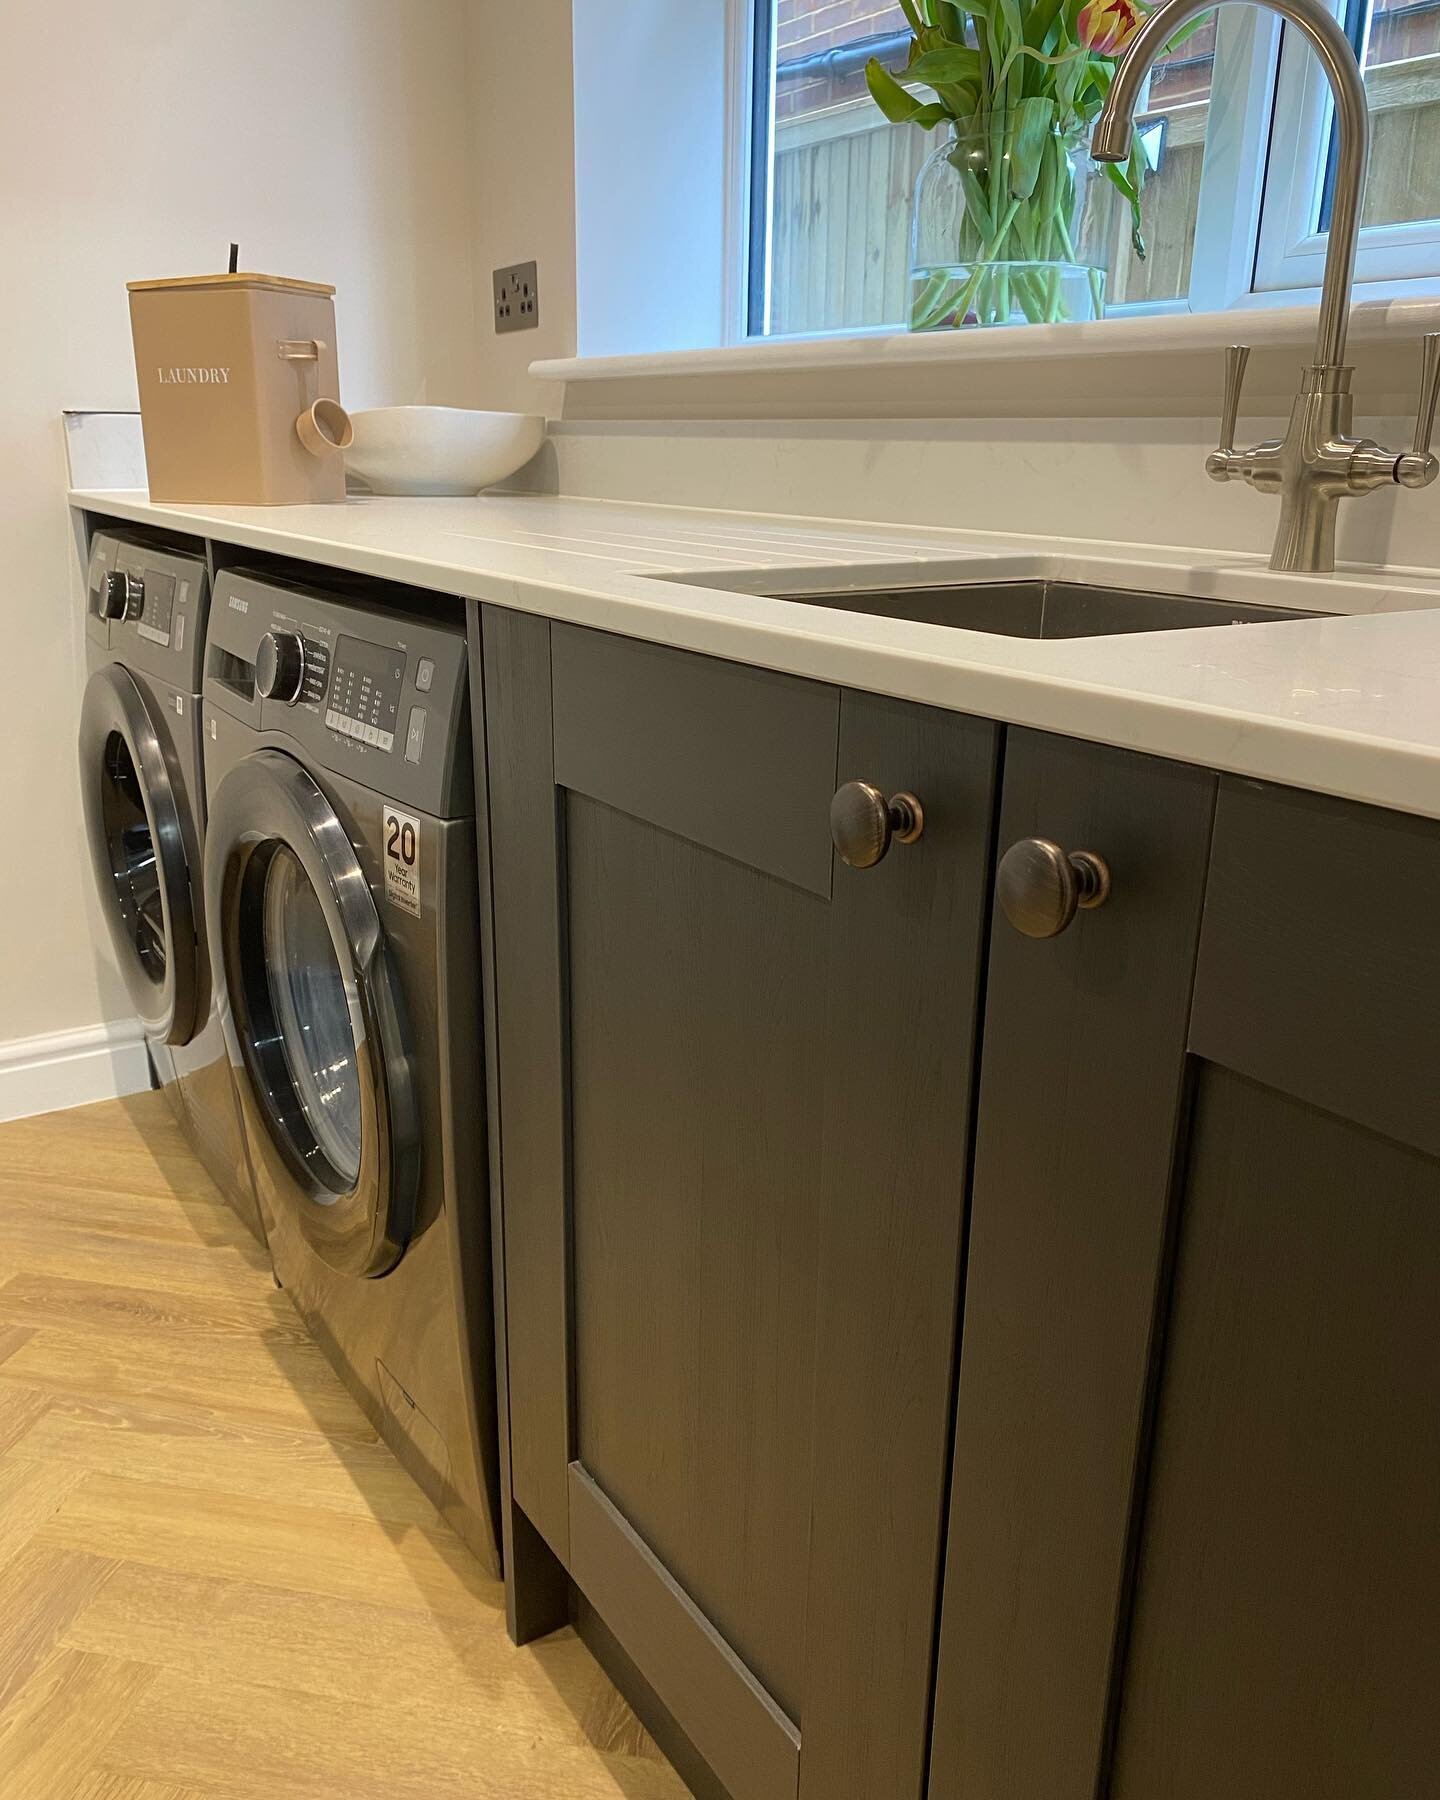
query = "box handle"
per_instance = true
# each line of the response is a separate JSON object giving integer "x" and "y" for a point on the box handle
{"x": 299, "y": 349}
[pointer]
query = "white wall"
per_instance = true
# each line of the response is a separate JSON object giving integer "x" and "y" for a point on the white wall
{"x": 651, "y": 174}
{"x": 332, "y": 139}
{"x": 523, "y": 154}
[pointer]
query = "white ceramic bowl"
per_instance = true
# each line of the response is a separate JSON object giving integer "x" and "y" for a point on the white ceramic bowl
{"x": 439, "y": 449}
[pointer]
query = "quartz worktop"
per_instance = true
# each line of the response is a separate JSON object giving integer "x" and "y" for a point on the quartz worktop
{"x": 1347, "y": 704}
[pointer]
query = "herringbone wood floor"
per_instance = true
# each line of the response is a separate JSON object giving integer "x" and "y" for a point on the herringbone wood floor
{"x": 215, "y": 1583}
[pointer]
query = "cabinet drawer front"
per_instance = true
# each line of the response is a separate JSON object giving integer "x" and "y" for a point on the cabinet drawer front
{"x": 739, "y": 760}
{"x": 1319, "y": 967}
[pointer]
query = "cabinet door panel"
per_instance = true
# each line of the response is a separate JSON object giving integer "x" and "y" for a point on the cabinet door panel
{"x": 1285, "y": 1635}
{"x": 696, "y": 1084}
{"x": 739, "y": 759}
{"x": 740, "y": 1219}
{"x": 1320, "y": 962}
{"x": 530, "y": 1010}
{"x": 1081, "y": 1097}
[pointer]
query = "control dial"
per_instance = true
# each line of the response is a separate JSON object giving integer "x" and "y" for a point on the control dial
{"x": 280, "y": 666}
{"x": 122, "y": 595}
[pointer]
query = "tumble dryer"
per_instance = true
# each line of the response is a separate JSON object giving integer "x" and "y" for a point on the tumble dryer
{"x": 144, "y": 798}
{"x": 343, "y": 906}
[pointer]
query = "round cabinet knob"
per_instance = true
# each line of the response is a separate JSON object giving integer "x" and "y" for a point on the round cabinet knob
{"x": 280, "y": 666}
{"x": 1040, "y": 887}
{"x": 863, "y": 822}
{"x": 122, "y": 595}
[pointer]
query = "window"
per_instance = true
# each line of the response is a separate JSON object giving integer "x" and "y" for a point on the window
{"x": 1235, "y": 209}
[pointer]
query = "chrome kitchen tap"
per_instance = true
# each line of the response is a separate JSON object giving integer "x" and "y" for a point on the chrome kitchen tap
{"x": 1317, "y": 463}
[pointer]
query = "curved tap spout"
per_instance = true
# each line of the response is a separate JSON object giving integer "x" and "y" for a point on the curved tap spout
{"x": 1111, "y": 140}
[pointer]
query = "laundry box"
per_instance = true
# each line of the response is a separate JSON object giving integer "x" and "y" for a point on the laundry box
{"x": 239, "y": 389}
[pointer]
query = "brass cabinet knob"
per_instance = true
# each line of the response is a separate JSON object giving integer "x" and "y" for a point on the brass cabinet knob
{"x": 863, "y": 822}
{"x": 1040, "y": 887}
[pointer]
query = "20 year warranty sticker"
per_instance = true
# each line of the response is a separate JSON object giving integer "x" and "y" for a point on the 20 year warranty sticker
{"x": 401, "y": 838}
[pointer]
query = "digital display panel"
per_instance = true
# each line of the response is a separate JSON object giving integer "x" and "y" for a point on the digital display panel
{"x": 365, "y": 684}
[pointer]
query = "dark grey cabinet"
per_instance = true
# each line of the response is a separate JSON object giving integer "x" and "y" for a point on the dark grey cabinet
{"x": 1194, "y": 1537}
{"x": 734, "y": 1112}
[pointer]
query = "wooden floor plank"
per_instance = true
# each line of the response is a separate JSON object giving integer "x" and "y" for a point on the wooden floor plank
{"x": 30, "y": 1495}
{"x": 41, "y": 1594}
{"x": 52, "y": 1732}
{"x": 307, "y": 1549}
{"x": 101, "y": 1784}
{"x": 271, "y": 1384}
{"x": 198, "y": 1730}
{"x": 426, "y": 1666}
{"x": 197, "y": 1448}
{"x": 115, "y": 1311}
{"x": 20, "y": 1407}
{"x": 215, "y": 1582}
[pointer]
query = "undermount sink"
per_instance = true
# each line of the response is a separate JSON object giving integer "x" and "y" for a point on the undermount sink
{"x": 1043, "y": 609}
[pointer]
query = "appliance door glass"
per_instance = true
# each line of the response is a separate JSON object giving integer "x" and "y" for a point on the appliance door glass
{"x": 312, "y": 1010}
{"x": 316, "y": 1015}
{"x": 137, "y": 842}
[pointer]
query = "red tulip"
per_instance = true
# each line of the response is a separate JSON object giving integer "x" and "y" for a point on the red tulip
{"x": 1104, "y": 27}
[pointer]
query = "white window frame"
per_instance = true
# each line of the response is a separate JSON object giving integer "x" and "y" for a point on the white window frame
{"x": 1256, "y": 242}
{"x": 1291, "y": 249}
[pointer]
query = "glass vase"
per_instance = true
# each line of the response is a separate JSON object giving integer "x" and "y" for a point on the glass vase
{"x": 1009, "y": 228}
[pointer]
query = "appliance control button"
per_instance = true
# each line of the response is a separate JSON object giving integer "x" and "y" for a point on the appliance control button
{"x": 424, "y": 675}
{"x": 280, "y": 666}
{"x": 385, "y": 740}
{"x": 122, "y": 595}
{"x": 415, "y": 734}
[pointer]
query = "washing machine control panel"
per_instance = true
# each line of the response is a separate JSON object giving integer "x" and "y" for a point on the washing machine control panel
{"x": 148, "y": 603}
{"x": 363, "y": 687}
{"x": 366, "y": 681}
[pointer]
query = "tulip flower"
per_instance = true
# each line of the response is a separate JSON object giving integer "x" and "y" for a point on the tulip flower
{"x": 1104, "y": 27}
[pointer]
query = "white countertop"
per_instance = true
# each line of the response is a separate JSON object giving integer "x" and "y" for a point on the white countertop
{"x": 1345, "y": 705}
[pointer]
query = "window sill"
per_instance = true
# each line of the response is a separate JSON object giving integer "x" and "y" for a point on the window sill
{"x": 1158, "y": 365}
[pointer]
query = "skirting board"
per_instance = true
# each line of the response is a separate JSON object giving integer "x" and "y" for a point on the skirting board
{"x": 71, "y": 1068}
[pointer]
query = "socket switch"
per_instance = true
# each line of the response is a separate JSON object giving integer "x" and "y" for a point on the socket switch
{"x": 517, "y": 298}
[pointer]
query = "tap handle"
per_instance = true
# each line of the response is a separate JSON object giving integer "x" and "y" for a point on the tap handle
{"x": 1236, "y": 358}
{"x": 1418, "y": 468}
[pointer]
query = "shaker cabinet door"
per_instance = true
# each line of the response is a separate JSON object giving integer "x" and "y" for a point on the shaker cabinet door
{"x": 1194, "y": 1542}
{"x": 734, "y": 1103}
{"x": 1285, "y": 1636}
{"x": 1082, "y": 1092}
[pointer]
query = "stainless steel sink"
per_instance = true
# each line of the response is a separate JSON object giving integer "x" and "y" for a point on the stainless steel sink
{"x": 1041, "y": 609}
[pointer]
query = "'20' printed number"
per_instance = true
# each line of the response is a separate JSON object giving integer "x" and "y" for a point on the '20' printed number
{"x": 401, "y": 842}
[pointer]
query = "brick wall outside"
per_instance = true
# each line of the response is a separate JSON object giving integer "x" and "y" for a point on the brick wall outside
{"x": 808, "y": 27}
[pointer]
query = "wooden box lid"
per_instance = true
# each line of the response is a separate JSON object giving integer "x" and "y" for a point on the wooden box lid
{"x": 281, "y": 283}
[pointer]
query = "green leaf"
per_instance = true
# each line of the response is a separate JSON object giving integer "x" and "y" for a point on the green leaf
{"x": 1034, "y": 118}
{"x": 898, "y": 106}
{"x": 1041, "y": 18}
{"x": 1121, "y": 178}
{"x": 911, "y": 14}
{"x": 977, "y": 206}
{"x": 953, "y": 66}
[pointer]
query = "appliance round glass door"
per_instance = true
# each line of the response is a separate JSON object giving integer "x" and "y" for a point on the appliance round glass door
{"x": 312, "y": 1012}
{"x": 315, "y": 1013}
{"x": 138, "y": 853}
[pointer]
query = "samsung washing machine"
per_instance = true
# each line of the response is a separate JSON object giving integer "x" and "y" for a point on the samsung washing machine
{"x": 144, "y": 797}
{"x": 343, "y": 908}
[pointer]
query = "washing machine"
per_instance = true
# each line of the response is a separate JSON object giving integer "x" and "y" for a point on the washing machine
{"x": 342, "y": 902}
{"x": 141, "y": 773}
